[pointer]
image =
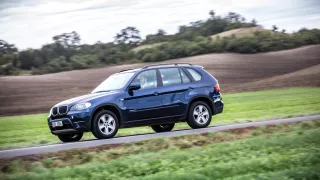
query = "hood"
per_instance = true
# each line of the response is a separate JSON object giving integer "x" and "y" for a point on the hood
{"x": 85, "y": 98}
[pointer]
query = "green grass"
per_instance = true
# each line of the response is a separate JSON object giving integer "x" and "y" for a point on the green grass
{"x": 30, "y": 130}
{"x": 293, "y": 152}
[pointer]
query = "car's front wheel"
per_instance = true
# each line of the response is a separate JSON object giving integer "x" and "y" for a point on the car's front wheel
{"x": 105, "y": 125}
{"x": 70, "y": 137}
{"x": 199, "y": 115}
{"x": 163, "y": 128}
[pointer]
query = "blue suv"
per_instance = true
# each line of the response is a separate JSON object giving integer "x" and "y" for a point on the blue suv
{"x": 156, "y": 95}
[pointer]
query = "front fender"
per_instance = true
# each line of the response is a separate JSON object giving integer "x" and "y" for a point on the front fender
{"x": 109, "y": 106}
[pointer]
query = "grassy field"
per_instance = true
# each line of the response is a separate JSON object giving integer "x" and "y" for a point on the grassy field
{"x": 31, "y": 130}
{"x": 287, "y": 151}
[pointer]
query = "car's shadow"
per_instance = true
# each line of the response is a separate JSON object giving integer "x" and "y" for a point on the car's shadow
{"x": 139, "y": 134}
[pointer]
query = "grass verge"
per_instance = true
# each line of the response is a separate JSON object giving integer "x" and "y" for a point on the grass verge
{"x": 31, "y": 130}
{"x": 287, "y": 151}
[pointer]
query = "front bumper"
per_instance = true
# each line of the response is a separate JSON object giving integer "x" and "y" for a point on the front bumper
{"x": 73, "y": 122}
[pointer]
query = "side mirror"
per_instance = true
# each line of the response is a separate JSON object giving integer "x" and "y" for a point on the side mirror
{"x": 134, "y": 86}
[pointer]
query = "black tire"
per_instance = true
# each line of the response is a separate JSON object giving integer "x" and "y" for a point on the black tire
{"x": 70, "y": 137}
{"x": 99, "y": 133}
{"x": 163, "y": 128}
{"x": 202, "y": 122}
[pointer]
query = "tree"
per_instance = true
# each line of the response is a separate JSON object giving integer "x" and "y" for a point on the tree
{"x": 283, "y": 31}
{"x": 161, "y": 32}
{"x": 26, "y": 59}
{"x": 67, "y": 43}
{"x": 129, "y": 35}
{"x": 233, "y": 17}
{"x": 196, "y": 23}
{"x": 274, "y": 28}
{"x": 212, "y": 14}
{"x": 68, "y": 40}
{"x": 6, "y": 48}
{"x": 254, "y": 22}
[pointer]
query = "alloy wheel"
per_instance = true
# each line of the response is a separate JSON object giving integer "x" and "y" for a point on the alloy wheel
{"x": 107, "y": 124}
{"x": 201, "y": 114}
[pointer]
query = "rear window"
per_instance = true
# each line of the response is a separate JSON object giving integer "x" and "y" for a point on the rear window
{"x": 196, "y": 76}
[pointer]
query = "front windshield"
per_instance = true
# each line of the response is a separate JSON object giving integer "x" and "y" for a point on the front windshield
{"x": 116, "y": 81}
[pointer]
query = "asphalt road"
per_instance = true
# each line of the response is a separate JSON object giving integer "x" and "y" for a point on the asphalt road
{"x": 127, "y": 139}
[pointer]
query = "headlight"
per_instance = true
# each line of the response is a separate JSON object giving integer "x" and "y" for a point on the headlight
{"x": 81, "y": 106}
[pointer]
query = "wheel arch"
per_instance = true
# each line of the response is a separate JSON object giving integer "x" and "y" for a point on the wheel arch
{"x": 111, "y": 107}
{"x": 201, "y": 98}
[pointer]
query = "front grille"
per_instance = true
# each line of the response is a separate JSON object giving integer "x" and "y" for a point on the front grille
{"x": 55, "y": 111}
{"x": 59, "y": 110}
{"x": 63, "y": 109}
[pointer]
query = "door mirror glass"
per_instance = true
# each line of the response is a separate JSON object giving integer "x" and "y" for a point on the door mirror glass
{"x": 134, "y": 86}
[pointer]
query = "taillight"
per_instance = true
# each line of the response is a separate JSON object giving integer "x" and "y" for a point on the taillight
{"x": 217, "y": 87}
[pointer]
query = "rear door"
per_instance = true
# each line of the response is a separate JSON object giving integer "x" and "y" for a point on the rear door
{"x": 175, "y": 83}
{"x": 143, "y": 104}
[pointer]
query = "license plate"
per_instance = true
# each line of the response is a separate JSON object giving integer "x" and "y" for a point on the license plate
{"x": 57, "y": 124}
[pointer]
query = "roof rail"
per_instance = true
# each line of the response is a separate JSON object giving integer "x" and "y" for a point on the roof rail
{"x": 167, "y": 64}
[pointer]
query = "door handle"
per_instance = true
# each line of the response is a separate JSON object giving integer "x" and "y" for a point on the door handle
{"x": 191, "y": 88}
{"x": 156, "y": 93}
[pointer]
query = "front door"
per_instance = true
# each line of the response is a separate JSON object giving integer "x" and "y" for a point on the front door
{"x": 143, "y": 104}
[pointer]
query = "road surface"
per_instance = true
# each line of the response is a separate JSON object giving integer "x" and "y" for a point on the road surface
{"x": 128, "y": 139}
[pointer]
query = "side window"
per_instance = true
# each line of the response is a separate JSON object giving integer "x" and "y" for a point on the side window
{"x": 170, "y": 76}
{"x": 147, "y": 79}
{"x": 196, "y": 76}
{"x": 185, "y": 78}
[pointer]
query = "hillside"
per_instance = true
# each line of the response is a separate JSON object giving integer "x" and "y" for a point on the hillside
{"x": 303, "y": 78}
{"x": 141, "y": 47}
{"x": 35, "y": 94}
{"x": 240, "y": 32}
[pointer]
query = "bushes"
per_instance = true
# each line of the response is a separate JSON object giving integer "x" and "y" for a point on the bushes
{"x": 83, "y": 61}
{"x": 8, "y": 69}
{"x": 259, "y": 42}
{"x": 155, "y": 56}
{"x": 56, "y": 65}
{"x": 60, "y": 64}
{"x": 243, "y": 45}
{"x": 115, "y": 55}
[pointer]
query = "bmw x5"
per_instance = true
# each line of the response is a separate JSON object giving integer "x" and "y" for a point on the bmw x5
{"x": 156, "y": 95}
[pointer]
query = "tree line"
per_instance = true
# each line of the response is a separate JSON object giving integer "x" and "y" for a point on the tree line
{"x": 67, "y": 53}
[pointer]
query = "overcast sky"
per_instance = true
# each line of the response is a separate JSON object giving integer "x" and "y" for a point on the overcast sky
{"x": 32, "y": 23}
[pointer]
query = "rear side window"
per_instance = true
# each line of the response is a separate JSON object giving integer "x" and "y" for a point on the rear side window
{"x": 196, "y": 76}
{"x": 184, "y": 77}
{"x": 170, "y": 76}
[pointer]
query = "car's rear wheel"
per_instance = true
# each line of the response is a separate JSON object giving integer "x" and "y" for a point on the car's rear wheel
{"x": 163, "y": 127}
{"x": 105, "y": 125}
{"x": 70, "y": 137}
{"x": 199, "y": 115}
